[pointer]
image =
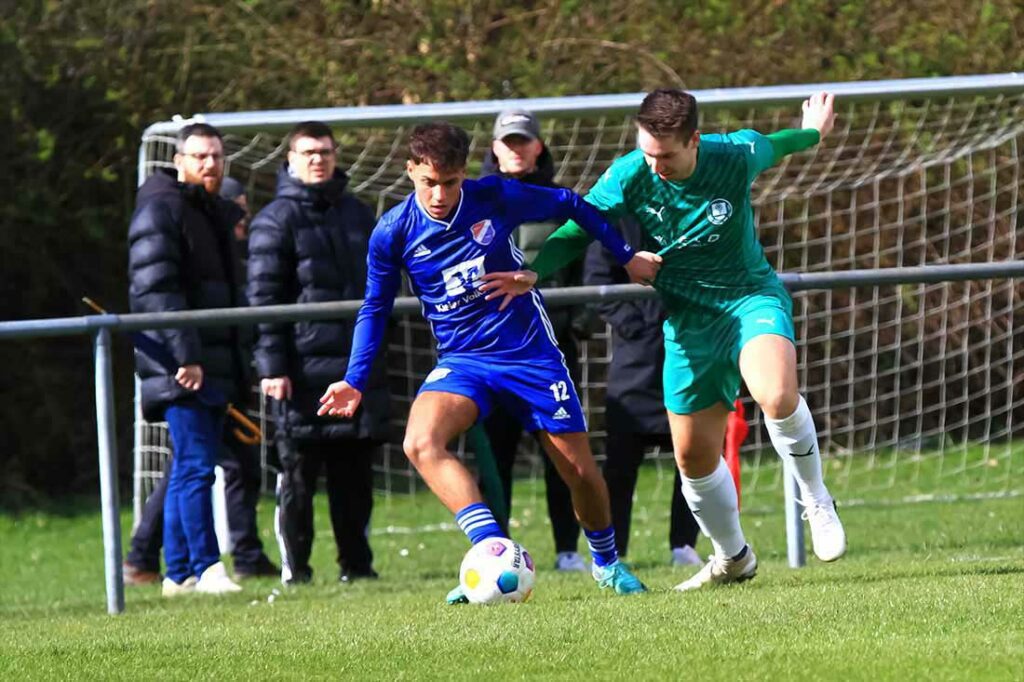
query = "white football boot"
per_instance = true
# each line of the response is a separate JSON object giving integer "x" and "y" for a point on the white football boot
{"x": 570, "y": 562}
{"x": 827, "y": 535}
{"x": 215, "y": 580}
{"x": 719, "y": 571}
{"x": 173, "y": 589}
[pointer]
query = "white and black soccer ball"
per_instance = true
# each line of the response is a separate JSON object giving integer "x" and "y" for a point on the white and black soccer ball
{"x": 497, "y": 570}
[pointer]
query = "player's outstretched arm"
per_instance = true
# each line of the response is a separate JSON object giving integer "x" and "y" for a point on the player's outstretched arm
{"x": 818, "y": 120}
{"x": 562, "y": 247}
{"x": 819, "y": 113}
{"x": 383, "y": 278}
{"x": 642, "y": 269}
{"x": 339, "y": 400}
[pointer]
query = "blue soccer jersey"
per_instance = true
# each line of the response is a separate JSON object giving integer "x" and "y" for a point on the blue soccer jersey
{"x": 445, "y": 261}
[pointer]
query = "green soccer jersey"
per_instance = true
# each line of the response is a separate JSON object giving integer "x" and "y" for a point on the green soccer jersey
{"x": 704, "y": 224}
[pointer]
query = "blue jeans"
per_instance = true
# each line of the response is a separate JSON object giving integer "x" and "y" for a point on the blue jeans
{"x": 190, "y": 543}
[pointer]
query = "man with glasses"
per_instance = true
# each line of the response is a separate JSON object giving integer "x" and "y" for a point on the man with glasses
{"x": 309, "y": 245}
{"x": 181, "y": 257}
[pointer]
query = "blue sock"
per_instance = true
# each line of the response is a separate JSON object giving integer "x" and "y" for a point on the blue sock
{"x": 602, "y": 545}
{"x": 478, "y": 523}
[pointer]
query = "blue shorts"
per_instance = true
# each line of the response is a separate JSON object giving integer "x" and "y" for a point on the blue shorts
{"x": 536, "y": 390}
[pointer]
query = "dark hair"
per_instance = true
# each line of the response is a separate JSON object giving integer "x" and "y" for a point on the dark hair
{"x": 440, "y": 144}
{"x": 667, "y": 112}
{"x": 315, "y": 129}
{"x": 198, "y": 130}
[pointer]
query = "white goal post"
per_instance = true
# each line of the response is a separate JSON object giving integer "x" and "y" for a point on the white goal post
{"x": 916, "y": 389}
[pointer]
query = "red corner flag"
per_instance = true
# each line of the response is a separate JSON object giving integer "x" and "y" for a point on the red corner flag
{"x": 735, "y": 433}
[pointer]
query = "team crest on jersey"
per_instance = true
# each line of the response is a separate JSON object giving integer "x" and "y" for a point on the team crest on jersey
{"x": 719, "y": 211}
{"x": 483, "y": 232}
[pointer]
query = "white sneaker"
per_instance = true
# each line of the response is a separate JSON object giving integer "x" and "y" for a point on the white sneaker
{"x": 685, "y": 556}
{"x": 827, "y": 535}
{"x": 570, "y": 562}
{"x": 721, "y": 571}
{"x": 173, "y": 589}
{"x": 215, "y": 580}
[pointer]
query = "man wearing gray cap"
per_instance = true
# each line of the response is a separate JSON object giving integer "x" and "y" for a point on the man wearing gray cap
{"x": 518, "y": 152}
{"x": 234, "y": 190}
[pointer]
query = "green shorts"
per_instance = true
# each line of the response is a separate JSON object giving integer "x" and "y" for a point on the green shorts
{"x": 702, "y": 350}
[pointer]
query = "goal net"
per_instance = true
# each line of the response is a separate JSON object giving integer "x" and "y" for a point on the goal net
{"x": 916, "y": 389}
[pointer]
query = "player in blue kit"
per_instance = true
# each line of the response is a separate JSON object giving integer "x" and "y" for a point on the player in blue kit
{"x": 448, "y": 235}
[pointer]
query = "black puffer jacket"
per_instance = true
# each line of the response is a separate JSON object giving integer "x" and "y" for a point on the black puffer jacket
{"x": 308, "y": 246}
{"x": 181, "y": 256}
{"x": 634, "y": 398}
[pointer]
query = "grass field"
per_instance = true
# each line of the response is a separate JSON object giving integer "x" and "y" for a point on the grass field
{"x": 929, "y": 590}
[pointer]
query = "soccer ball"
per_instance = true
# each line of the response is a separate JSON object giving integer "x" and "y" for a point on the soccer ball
{"x": 497, "y": 570}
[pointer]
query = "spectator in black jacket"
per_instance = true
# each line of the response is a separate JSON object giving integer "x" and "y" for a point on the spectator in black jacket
{"x": 239, "y": 462}
{"x": 181, "y": 258}
{"x": 517, "y": 151}
{"x": 635, "y": 412}
{"x": 306, "y": 246}
{"x": 235, "y": 191}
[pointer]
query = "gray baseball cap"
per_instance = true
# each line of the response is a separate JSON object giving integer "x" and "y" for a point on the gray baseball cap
{"x": 516, "y": 122}
{"x": 231, "y": 188}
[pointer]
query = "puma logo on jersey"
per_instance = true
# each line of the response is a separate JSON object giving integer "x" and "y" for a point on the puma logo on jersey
{"x": 766, "y": 320}
{"x": 421, "y": 252}
{"x": 560, "y": 413}
{"x": 658, "y": 213}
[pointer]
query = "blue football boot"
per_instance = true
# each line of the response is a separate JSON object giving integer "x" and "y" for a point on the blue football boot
{"x": 618, "y": 577}
{"x": 457, "y": 596}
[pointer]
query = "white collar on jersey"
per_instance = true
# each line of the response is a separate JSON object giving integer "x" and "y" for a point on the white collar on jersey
{"x": 455, "y": 216}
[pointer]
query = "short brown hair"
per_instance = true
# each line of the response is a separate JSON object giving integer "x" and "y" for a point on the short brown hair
{"x": 667, "y": 112}
{"x": 197, "y": 130}
{"x": 314, "y": 129}
{"x": 440, "y": 144}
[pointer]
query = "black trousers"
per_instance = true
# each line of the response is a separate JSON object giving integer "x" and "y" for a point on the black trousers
{"x": 241, "y": 466}
{"x": 624, "y": 457}
{"x": 503, "y": 432}
{"x": 349, "y": 467}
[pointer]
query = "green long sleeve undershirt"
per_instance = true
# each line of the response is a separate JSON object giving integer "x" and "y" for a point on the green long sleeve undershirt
{"x": 570, "y": 241}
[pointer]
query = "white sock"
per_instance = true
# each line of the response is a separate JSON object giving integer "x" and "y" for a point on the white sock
{"x": 712, "y": 500}
{"x": 796, "y": 441}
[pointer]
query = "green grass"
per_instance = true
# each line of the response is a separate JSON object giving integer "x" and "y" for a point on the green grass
{"x": 930, "y": 590}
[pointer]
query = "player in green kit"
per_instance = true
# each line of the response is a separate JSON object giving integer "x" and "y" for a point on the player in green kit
{"x": 730, "y": 318}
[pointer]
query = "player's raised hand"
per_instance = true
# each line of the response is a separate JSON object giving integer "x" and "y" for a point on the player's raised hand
{"x": 507, "y": 284}
{"x": 819, "y": 113}
{"x": 341, "y": 399}
{"x": 643, "y": 267}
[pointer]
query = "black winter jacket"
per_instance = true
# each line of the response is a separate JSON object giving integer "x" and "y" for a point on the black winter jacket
{"x": 181, "y": 256}
{"x": 634, "y": 398}
{"x": 309, "y": 245}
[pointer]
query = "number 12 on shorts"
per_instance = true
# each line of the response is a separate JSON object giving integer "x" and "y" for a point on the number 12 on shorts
{"x": 560, "y": 390}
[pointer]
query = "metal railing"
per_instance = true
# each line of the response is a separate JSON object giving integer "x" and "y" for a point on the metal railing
{"x": 100, "y": 328}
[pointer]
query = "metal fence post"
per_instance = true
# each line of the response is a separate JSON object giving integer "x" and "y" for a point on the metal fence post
{"x": 107, "y": 448}
{"x": 795, "y": 549}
